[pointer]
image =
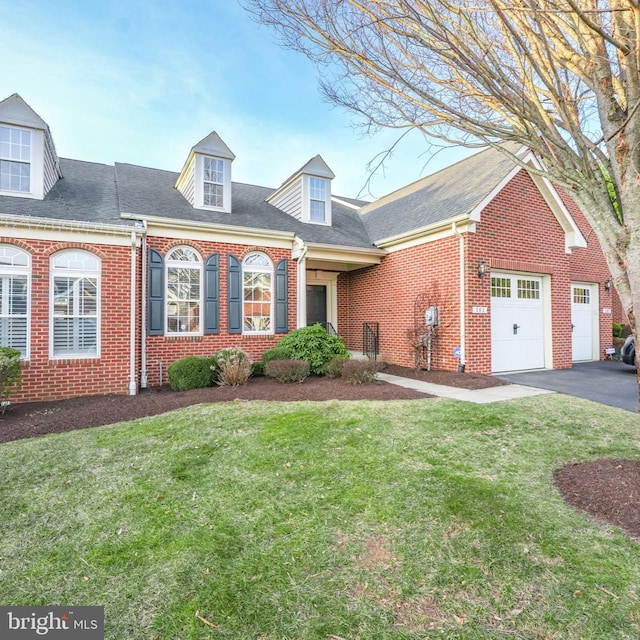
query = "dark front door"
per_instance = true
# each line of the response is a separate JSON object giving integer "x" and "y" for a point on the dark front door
{"x": 317, "y": 304}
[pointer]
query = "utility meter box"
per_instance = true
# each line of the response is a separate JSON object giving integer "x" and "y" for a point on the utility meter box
{"x": 432, "y": 317}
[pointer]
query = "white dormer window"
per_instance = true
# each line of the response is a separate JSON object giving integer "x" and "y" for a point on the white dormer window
{"x": 318, "y": 200}
{"x": 15, "y": 159}
{"x": 213, "y": 183}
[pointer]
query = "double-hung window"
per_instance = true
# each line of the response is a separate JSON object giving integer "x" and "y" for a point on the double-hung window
{"x": 184, "y": 291}
{"x": 257, "y": 289}
{"x": 75, "y": 302}
{"x": 15, "y": 282}
{"x": 15, "y": 159}
{"x": 318, "y": 199}
{"x": 213, "y": 182}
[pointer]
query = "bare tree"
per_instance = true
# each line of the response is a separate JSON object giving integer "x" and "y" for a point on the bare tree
{"x": 559, "y": 76}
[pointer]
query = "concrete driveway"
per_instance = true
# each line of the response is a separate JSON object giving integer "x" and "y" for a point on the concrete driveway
{"x": 608, "y": 382}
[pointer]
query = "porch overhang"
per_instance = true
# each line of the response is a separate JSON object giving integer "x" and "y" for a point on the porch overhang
{"x": 334, "y": 258}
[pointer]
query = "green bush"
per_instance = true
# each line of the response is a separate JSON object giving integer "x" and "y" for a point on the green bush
{"x": 231, "y": 367}
{"x": 287, "y": 370}
{"x": 10, "y": 375}
{"x": 191, "y": 372}
{"x": 314, "y": 345}
{"x": 621, "y": 330}
{"x": 257, "y": 368}
{"x": 360, "y": 371}
{"x": 277, "y": 353}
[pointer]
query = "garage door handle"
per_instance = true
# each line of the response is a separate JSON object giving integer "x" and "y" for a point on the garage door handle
{"x": 515, "y": 328}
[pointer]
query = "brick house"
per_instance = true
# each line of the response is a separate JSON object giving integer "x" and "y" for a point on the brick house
{"x": 110, "y": 273}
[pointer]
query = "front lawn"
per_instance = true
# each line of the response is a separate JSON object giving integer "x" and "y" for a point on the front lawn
{"x": 343, "y": 520}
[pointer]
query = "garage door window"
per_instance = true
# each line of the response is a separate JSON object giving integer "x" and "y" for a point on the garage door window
{"x": 529, "y": 289}
{"x": 581, "y": 296}
{"x": 500, "y": 287}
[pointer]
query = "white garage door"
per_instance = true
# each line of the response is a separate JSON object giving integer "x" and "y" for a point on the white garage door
{"x": 517, "y": 322}
{"x": 582, "y": 317}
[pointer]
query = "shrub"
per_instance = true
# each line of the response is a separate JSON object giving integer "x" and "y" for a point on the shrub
{"x": 621, "y": 330}
{"x": 10, "y": 375}
{"x": 334, "y": 368}
{"x": 314, "y": 345}
{"x": 231, "y": 367}
{"x": 360, "y": 371}
{"x": 191, "y": 372}
{"x": 287, "y": 370}
{"x": 277, "y": 353}
{"x": 257, "y": 368}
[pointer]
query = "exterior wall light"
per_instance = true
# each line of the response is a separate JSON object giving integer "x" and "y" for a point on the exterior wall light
{"x": 482, "y": 269}
{"x": 607, "y": 285}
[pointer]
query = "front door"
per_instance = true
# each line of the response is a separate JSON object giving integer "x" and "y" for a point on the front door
{"x": 317, "y": 304}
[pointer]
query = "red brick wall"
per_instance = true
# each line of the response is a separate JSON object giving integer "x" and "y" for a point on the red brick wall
{"x": 50, "y": 379}
{"x": 517, "y": 232}
{"x": 388, "y": 293}
{"x": 163, "y": 350}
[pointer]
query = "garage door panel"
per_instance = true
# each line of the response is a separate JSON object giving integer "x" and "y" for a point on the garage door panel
{"x": 517, "y": 322}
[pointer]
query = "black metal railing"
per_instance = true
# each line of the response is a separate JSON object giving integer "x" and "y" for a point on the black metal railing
{"x": 370, "y": 339}
{"x": 330, "y": 329}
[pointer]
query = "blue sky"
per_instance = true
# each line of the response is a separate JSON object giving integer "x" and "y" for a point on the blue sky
{"x": 143, "y": 81}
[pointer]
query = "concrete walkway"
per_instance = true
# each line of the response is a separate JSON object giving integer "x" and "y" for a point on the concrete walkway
{"x": 479, "y": 396}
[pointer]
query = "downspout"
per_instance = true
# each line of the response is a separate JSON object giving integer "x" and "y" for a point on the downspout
{"x": 144, "y": 380}
{"x": 302, "y": 287}
{"x": 463, "y": 333}
{"x": 133, "y": 387}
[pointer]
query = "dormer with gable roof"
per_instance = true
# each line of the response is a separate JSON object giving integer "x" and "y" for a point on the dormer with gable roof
{"x": 306, "y": 195}
{"x": 205, "y": 179}
{"x": 29, "y": 165}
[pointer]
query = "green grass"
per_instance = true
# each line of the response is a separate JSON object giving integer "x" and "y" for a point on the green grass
{"x": 371, "y": 521}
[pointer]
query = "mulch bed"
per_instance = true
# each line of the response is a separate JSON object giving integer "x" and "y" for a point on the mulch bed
{"x": 607, "y": 489}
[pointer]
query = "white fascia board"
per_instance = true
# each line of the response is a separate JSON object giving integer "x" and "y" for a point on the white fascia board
{"x": 477, "y": 210}
{"x": 203, "y": 230}
{"x": 342, "y": 202}
{"x": 430, "y": 233}
{"x": 10, "y": 223}
{"x": 573, "y": 236}
{"x": 348, "y": 254}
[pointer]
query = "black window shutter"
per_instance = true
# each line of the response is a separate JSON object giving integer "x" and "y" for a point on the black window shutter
{"x": 282, "y": 296}
{"x": 212, "y": 294}
{"x": 156, "y": 293}
{"x": 234, "y": 294}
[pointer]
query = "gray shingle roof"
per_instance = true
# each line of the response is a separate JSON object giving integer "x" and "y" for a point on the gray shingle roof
{"x": 87, "y": 193}
{"x": 92, "y": 192}
{"x": 150, "y": 192}
{"x": 451, "y": 192}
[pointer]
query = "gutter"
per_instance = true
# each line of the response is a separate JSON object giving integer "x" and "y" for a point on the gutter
{"x": 33, "y": 222}
{"x": 175, "y": 223}
{"x": 133, "y": 388}
{"x": 415, "y": 234}
{"x": 463, "y": 333}
{"x": 144, "y": 380}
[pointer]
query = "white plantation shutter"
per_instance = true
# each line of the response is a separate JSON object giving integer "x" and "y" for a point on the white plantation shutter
{"x": 75, "y": 304}
{"x": 14, "y": 298}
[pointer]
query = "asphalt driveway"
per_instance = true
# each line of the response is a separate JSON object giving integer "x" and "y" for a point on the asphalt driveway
{"x": 608, "y": 382}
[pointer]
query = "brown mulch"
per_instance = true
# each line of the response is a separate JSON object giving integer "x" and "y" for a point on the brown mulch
{"x": 607, "y": 489}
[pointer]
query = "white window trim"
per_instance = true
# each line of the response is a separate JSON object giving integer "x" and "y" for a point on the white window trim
{"x": 199, "y": 185}
{"x": 183, "y": 264}
{"x": 259, "y": 269}
{"x": 79, "y": 273}
{"x": 10, "y": 270}
{"x": 30, "y": 191}
{"x": 306, "y": 200}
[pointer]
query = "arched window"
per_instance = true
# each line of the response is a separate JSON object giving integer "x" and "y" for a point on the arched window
{"x": 15, "y": 286}
{"x": 75, "y": 304}
{"x": 184, "y": 291}
{"x": 257, "y": 294}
